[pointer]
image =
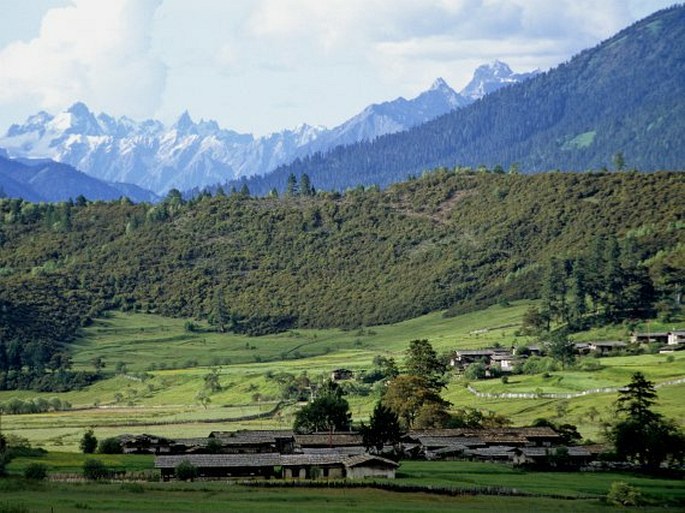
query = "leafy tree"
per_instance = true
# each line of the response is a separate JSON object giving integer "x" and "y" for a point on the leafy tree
{"x": 475, "y": 371}
{"x": 623, "y": 494}
{"x": 110, "y": 446}
{"x": 330, "y": 411}
{"x": 643, "y": 435}
{"x": 203, "y": 398}
{"x": 94, "y": 470}
{"x": 561, "y": 348}
{"x": 423, "y": 361}
{"x": 384, "y": 428}
{"x": 185, "y": 471}
{"x": 36, "y": 472}
{"x": 407, "y": 394}
{"x": 534, "y": 322}
{"x": 88, "y": 442}
{"x": 212, "y": 381}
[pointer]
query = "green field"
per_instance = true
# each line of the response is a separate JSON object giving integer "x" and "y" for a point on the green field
{"x": 575, "y": 492}
{"x": 166, "y": 365}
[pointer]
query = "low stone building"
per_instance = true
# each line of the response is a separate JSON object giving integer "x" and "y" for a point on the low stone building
{"x": 287, "y": 466}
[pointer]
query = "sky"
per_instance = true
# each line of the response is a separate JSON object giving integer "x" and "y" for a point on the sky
{"x": 260, "y": 66}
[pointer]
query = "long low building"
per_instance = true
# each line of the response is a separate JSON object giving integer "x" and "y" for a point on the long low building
{"x": 303, "y": 466}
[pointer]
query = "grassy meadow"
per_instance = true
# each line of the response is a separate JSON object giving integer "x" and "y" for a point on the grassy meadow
{"x": 165, "y": 365}
{"x": 575, "y": 492}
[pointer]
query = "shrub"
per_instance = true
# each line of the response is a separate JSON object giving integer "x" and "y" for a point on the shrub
{"x": 110, "y": 446}
{"x": 88, "y": 442}
{"x": 185, "y": 471}
{"x": 623, "y": 494}
{"x": 36, "y": 472}
{"x": 94, "y": 470}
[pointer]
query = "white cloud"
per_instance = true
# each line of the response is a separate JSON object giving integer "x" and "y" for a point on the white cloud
{"x": 92, "y": 51}
{"x": 264, "y": 65}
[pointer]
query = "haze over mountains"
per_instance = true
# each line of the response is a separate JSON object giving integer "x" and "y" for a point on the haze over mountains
{"x": 193, "y": 154}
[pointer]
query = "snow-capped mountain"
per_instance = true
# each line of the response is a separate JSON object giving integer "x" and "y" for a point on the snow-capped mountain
{"x": 192, "y": 154}
{"x": 490, "y": 77}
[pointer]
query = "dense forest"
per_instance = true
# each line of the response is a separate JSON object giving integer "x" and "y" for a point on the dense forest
{"x": 621, "y": 97}
{"x": 451, "y": 239}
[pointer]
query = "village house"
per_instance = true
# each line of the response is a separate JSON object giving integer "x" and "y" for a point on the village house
{"x": 255, "y": 442}
{"x": 604, "y": 348}
{"x": 505, "y": 361}
{"x": 287, "y": 466}
{"x": 463, "y": 359}
{"x": 147, "y": 444}
{"x": 648, "y": 338}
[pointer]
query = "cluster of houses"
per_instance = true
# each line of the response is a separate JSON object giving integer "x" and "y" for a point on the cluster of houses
{"x": 289, "y": 455}
{"x": 505, "y": 360}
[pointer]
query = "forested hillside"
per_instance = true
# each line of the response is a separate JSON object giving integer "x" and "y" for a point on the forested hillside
{"x": 368, "y": 257}
{"x": 624, "y": 96}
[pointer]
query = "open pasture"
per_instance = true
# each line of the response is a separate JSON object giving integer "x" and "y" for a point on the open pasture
{"x": 166, "y": 364}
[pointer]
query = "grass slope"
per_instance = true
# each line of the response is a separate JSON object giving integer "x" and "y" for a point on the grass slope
{"x": 165, "y": 402}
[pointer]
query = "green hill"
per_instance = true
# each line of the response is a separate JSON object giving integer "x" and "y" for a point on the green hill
{"x": 447, "y": 240}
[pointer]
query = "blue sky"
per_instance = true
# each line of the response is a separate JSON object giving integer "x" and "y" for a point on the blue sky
{"x": 263, "y": 65}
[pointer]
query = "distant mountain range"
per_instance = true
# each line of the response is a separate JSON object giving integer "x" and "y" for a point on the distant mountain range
{"x": 625, "y": 96}
{"x": 192, "y": 154}
{"x": 46, "y": 180}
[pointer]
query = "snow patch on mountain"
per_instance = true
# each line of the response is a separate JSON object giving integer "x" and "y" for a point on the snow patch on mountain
{"x": 191, "y": 154}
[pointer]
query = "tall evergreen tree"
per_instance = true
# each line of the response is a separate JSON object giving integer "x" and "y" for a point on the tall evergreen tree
{"x": 555, "y": 289}
{"x": 578, "y": 295}
{"x": 291, "y": 188}
{"x": 306, "y": 188}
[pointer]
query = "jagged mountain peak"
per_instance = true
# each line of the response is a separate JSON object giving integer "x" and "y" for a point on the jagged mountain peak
{"x": 492, "y": 76}
{"x": 184, "y": 123}
{"x": 440, "y": 85}
{"x": 192, "y": 154}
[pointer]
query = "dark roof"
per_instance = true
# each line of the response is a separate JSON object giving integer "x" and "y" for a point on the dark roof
{"x": 451, "y": 449}
{"x": 364, "y": 459}
{"x": 448, "y": 441}
{"x": 220, "y": 460}
{"x": 540, "y": 452}
{"x": 250, "y": 437}
{"x": 487, "y": 433}
{"x": 143, "y": 438}
{"x": 496, "y": 451}
{"x": 342, "y": 450}
{"x": 328, "y": 439}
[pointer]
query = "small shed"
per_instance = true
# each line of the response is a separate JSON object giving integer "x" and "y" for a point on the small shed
{"x": 368, "y": 465}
